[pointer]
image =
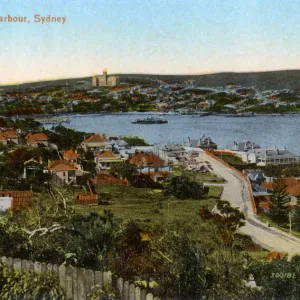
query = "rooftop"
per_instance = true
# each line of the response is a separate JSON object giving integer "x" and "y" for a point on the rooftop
{"x": 61, "y": 165}
{"x": 293, "y": 186}
{"x": 32, "y": 137}
{"x": 106, "y": 154}
{"x": 70, "y": 154}
{"x": 143, "y": 159}
{"x": 96, "y": 138}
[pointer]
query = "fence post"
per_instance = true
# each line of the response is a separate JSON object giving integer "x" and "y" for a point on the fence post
{"x": 126, "y": 291}
{"x": 98, "y": 278}
{"x": 17, "y": 264}
{"x": 137, "y": 293}
{"x": 75, "y": 284}
{"x": 4, "y": 260}
{"x": 49, "y": 268}
{"x": 43, "y": 267}
{"x": 9, "y": 262}
{"x": 107, "y": 278}
{"x": 143, "y": 295}
{"x": 81, "y": 283}
{"x": 55, "y": 268}
{"x": 37, "y": 266}
{"x": 131, "y": 291}
{"x": 62, "y": 275}
{"x": 24, "y": 264}
{"x": 90, "y": 280}
{"x": 69, "y": 281}
{"x": 30, "y": 265}
{"x": 149, "y": 297}
{"x": 120, "y": 285}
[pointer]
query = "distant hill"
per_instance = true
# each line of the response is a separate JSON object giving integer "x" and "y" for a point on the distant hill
{"x": 288, "y": 79}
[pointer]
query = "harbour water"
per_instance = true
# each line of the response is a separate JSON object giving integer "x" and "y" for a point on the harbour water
{"x": 266, "y": 130}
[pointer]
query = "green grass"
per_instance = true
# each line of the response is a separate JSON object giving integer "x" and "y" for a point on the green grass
{"x": 197, "y": 176}
{"x": 258, "y": 255}
{"x": 285, "y": 228}
{"x": 152, "y": 206}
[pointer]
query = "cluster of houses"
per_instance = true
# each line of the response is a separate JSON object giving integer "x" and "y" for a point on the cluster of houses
{"x": 252, "y": 153}
{"x": 262, "y": 185}
{"x": 177, "y": 97}
{"x": 11, "y": 136}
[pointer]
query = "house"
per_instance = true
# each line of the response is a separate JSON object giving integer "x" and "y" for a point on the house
{"x": 10, "y": 136}
{"x": 169, "y": 152}
{"x": 62, "y": 171}
{"x": 132, "y": 151}
{"x": 106, "y": 159}
{"x": 203, "y": 143}
{"x": 274, "y": 156}
{"x": 245, "y": 150}
{"x": 152, "y": 165}
{"x": 37, "y": 139}
{"x": 119, "y": 144}
{"x": 96, "y": 143}
{"x": 243, "y": 146}
{"x": 71, "y": 156}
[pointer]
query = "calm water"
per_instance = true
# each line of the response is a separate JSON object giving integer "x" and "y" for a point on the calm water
{"x": 280, "y": 131}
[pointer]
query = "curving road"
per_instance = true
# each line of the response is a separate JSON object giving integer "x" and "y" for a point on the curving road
{"x": 236, "y": 191}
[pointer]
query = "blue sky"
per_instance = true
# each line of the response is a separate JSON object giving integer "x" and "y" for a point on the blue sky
{"x": 161, "y": 37}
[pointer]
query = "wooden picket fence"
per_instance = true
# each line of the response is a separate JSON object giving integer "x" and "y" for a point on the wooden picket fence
{"x": 240, "y": 174}
{"x": 78, "y": 282}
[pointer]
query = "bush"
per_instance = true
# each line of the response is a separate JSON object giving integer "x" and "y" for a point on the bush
{"x": 183, "y": 188}
{"x": 26, "y": 284}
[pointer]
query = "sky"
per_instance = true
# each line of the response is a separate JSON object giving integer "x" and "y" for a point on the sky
{"x": 147, "y": 36}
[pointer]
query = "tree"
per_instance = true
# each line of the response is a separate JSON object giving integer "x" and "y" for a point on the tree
{"x": 183, "y": 188}
{"x": 124, "y": 170}
{"x": 279, "y": 208}
{"x": 227, "y": 218}
{"x": 296, "y": 216}
{"x": 135, "y": 141}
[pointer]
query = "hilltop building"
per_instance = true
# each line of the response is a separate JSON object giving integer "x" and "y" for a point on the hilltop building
{"x": 106, "y": 80}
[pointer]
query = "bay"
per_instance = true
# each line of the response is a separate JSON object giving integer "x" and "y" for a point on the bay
{"x": 266, "y": 130}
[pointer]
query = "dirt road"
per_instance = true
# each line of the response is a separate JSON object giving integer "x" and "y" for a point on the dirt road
{"x": 236, "y": 191}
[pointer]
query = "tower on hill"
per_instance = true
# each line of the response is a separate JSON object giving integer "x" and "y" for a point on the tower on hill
{"x": 105, "y": 80}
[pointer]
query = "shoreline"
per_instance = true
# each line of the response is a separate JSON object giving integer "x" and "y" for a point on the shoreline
{"x": 42, "y": 116}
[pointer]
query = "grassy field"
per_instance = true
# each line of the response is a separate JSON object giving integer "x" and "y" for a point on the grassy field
{"x": 197, "y": 176}
{"x": 152, "y": 206}
{"x": 285, "y": 228}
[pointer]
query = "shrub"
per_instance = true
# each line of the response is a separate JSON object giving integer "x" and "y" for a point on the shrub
{"x": 183, "y": 188}
{"x": 29, "y": 285}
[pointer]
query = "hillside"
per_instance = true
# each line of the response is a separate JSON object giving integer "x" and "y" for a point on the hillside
{"x": 287, "y": 79}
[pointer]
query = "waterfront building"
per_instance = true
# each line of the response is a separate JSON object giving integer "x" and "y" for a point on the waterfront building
{"x": 203, "y": 143}
{"x": 105, "y": 80}
{"x": 243, "y": 146}
{"x": 274, "y": 156}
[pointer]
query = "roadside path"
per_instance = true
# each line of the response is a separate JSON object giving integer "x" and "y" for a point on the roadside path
{"x": 236, "y": 191}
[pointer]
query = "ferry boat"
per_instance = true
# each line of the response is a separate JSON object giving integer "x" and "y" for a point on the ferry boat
{"x": 150, "y": 120}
